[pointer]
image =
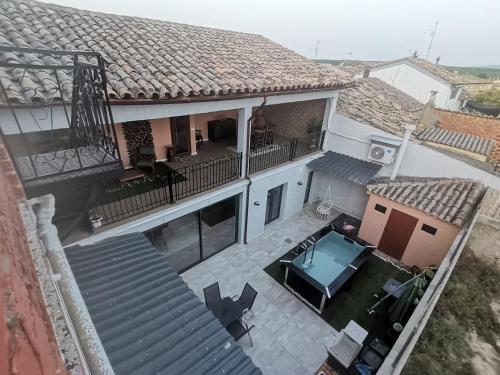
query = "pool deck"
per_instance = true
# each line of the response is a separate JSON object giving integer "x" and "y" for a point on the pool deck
{"x": 288, "y": 338}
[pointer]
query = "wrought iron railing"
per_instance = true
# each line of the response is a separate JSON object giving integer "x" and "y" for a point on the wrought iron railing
{"x": 120, "y": 201}
{"x": 61, "y": 125}
{"x": 204, "y": 176}
{"x": 275, "y": 154}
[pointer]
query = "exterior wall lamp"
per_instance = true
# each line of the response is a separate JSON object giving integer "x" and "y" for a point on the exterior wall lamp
{"x": 256, "y": 203}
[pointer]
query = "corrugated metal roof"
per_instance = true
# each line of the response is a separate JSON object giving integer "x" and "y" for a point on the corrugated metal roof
{"x": 458, "y": 140}
{"x": 344, "y": 166}
{"x": 147, "y": 318}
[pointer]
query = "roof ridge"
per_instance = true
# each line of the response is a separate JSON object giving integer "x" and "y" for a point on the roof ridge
{"x": 78, "y": 10}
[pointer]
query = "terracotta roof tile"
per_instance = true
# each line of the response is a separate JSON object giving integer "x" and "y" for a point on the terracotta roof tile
{"x": 373, "y": 102}
{"x": 438, "y": 71}
{"x": 156, "y": 59}
{"x": 449, "y": 199}
{"x": 463, "y": 141}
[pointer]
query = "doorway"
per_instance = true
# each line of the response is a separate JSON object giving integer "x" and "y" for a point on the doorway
{"x": 308, "y": 187}
{"x": 181, "y": 134}
{"x": 397, "y": 233}
{"x": 273, "y": 204}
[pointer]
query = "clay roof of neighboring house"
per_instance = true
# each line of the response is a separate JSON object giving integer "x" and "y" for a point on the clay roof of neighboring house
{"x": 480, "y": 126}
{"x": 472, "y": 143}
{"x": 153, "y": 59}
{"x": 439, "y": 71}
{"x": 374, "y": 102}
{"x": 448, "y": 199}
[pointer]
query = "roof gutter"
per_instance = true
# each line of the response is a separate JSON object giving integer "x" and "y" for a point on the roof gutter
{"x": 93, "y": 350}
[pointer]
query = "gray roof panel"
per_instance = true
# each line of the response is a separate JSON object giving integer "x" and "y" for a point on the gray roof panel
{"x": 344, "y": 166}
{"x": 147, "y": 318}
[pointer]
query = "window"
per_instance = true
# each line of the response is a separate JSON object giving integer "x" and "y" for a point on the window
{"x": 429, "y": 229}
{"x": 188, "y": 240}
{"x": 273, "y": 204}
{"x": 380, "y": 208}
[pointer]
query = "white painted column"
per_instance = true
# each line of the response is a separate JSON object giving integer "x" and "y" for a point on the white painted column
{"x": 331, "y": 105}
{"x": 243, "y": 116}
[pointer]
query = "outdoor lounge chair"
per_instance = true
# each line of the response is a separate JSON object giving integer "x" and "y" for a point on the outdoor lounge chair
{"x": 247, "y": 298}
{"x": 147, "y": 158}
{"x": 348, "y": 343}
{"x": 212, "y": 296}
{"x": 237, "y": 329}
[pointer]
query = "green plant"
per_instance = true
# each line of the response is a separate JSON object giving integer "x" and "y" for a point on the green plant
{"x": 491, "y": 97}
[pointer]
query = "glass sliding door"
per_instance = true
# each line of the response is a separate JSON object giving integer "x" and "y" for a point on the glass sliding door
{"x": 273, "y": 204}
{"x": 186, "y": 241}
{"x": 308, "y": 187}
{"x": 178, "y": 241}
{"x": 219, "y": 226}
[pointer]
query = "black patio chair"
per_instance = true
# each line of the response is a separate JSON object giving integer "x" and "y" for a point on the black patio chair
{"x": 147, "y": 158}
{"x": 212, "y": 296}
{"x": 246, "y": 299}
{"x": 237, "y": 329}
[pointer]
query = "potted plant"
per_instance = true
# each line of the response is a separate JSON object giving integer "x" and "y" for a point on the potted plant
{"x": 95, "y": 219}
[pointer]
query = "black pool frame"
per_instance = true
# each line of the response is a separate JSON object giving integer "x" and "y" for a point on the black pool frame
{"x": 297, "y": 274}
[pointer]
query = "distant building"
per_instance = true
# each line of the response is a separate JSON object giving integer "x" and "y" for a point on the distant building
{"x": 418, "y": 78}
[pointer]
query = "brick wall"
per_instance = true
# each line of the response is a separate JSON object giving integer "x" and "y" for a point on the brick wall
{"x": 292, "y": 119}
{"x": 486, "y": 127}
{"x": 27, "y": 341}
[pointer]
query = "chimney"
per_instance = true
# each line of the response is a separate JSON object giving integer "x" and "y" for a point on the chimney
{"x": 366, "y": 73}
{"x": 402, "y": 150}
{"x": 427, "y": 117}
{"x": 437, "y": 60}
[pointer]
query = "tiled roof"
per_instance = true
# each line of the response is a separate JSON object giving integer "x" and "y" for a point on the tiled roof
{"x": 448, "y": 199}
{"x": 344, "y": 166}
{"x": 154, "y": 59}
{"x": 147, "y": 318}
{"x": 439, "y": 71}
{"x": 437, "y": 134}
{"x": 378, "y": 104}
{"x": 480, "y": 126}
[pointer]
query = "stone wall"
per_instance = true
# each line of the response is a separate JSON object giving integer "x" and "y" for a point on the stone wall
{"x": 27, "y": 341}
{"x": 293, "y": 119}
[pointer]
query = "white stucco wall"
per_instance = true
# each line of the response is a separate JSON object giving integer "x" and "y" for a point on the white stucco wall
{"x": 292, "y": 200}
{"x": 417, "y": 84}
{"x": 419, "y": 160}
{"x": 347, "y": 196}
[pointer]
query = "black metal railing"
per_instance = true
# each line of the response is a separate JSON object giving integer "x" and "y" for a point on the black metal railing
{"x": 116, "y": 201}
{"x": 204, "y": 176}
{"x": 63, "y": 127}
{"x": 275, "y": 154}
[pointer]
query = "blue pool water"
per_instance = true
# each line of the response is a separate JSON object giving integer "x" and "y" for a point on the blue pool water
{"x": 331, "y": 256}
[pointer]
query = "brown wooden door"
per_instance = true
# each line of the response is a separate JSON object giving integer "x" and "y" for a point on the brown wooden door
{"x": 180, "y": 129}
{"x": 397, "y": 233}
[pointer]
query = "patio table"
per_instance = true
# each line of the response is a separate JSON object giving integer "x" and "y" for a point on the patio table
{"x": 228, "y": 311}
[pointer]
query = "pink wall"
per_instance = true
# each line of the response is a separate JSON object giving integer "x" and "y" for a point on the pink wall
{"x": 122, "y": 144}
{"x": 423, "y": 249}
{"x": 162, "y": 137}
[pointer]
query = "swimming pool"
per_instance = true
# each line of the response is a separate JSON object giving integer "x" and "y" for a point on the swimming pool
{"x": 325, "y": 261}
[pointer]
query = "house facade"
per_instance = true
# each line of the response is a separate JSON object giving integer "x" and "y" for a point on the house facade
{"x": 222, "y": 145}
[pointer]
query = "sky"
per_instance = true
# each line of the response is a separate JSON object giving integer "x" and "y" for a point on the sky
{"x": 468, "y": 33}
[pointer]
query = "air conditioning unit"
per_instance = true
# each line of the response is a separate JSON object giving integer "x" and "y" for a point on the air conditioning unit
{"x": 381, "y": 153}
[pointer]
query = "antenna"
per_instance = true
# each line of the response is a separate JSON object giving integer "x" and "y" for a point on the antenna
{"x": 316, "y": 50}
{"x": 433, "y": 34}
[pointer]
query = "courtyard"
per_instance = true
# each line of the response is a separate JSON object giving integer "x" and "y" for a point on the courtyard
{"x": 289, "y": 337}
